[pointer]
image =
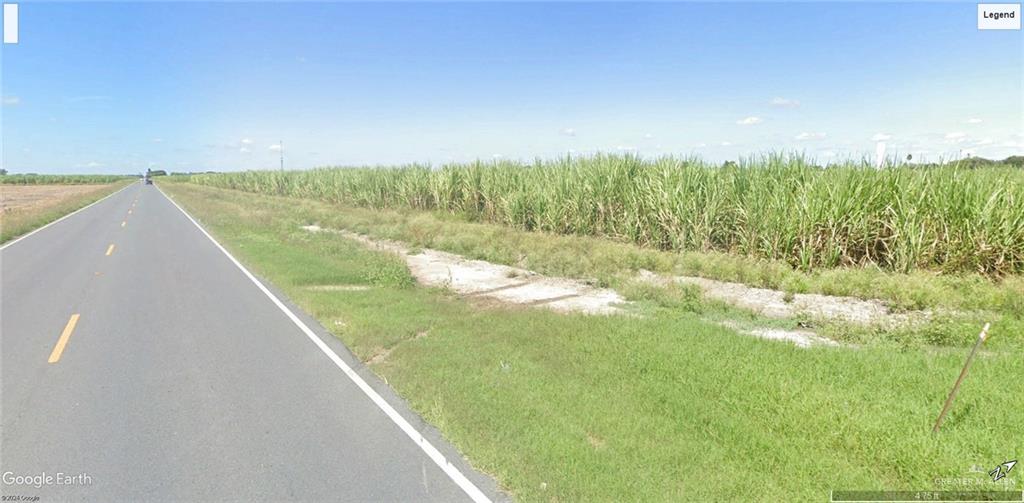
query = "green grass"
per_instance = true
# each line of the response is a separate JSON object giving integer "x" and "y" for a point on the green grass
{"x": 664, "y": 407}
{"x": 15, "y": 223}
{"x": 779, "y": 207}
{"x": 34, "y": 179}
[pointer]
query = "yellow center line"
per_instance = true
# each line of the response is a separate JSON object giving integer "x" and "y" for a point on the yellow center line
{"x": 63, "y": 341}
{"x": 110, "y": 249}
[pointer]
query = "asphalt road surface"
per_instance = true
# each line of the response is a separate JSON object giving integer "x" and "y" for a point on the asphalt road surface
{"x": 140, "y": 363}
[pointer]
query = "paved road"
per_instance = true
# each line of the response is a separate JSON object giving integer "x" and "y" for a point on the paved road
{"x": 182, "y": 380}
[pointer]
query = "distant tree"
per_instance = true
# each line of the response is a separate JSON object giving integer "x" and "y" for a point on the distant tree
{"x": 3, "y": 172}
{"x": 158, "y": 172}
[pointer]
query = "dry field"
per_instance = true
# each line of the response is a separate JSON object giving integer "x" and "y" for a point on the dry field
{"x": 25, "y": 207}
{"x": 31, "y": 197}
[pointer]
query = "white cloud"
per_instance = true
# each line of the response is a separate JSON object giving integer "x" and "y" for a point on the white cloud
{"x": 702, "y": 145}
{"x": 984, "y": 141}
{"x": 158, "y": 140}
{"x": 881, "y": 137}
{"x": 749, "y": 121}
{"x": 568, "y": 132}
{"x": 10, "y": 101}
{"x": 274, "y": 148}
{"x": 956, "y": 137}
{"x": 244, "y": 150}
{"x": 496, "y": 156}
{"x": 726, "y": 144}
{"x": 810, "y": 136}
{"x": 625, "y": 148}
{"x": 648, "y": 136}
{"x": 974, "y": 121}
{"x": 784, "y": 102}
{"x": 246, "y": 141}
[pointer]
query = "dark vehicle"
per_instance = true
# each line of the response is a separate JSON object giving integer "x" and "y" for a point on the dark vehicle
{"x": 147, "y": 180}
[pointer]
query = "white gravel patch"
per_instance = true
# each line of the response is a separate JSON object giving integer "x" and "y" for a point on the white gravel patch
{"x": 478, "y": 278}
{"x": 802, "y": 338}
{"x": 514, "y": 285}
{"x": 773, "y": 304}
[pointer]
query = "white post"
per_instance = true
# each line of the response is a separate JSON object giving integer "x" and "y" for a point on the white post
{"x": 880, "y": 154}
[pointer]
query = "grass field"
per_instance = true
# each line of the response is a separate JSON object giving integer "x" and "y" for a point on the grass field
{"x": 903, "y": 218}
{"x": 667, "y": 406}
{"x": 26, "y": 207}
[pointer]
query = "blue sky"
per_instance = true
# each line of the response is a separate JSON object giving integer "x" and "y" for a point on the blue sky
{"x": 118, "y": 87}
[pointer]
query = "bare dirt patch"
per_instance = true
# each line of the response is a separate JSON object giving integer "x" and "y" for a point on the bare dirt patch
{"x": 477, "y": 278}
{"x": 31, "y": 197}
{"x": 379, "y": 356}
{"x": 382, "y": 353}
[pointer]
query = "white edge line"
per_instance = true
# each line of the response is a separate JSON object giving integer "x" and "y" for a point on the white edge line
{"x": 435, "y": 455}
{"x": 83, "y": 208}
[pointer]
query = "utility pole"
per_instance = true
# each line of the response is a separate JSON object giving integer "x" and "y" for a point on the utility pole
{"x": 280, "y": 148}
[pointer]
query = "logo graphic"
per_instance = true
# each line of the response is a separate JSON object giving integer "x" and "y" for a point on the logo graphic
{"x": 1000, "y": 471}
